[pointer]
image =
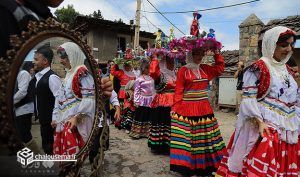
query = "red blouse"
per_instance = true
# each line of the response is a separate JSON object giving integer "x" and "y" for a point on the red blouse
{"x": 154, "y": 69}
{"x": 76, "y": 81}
{"x": 124, "y": 79}
{"x": 166, "y": 96}
{"x": 191, "y": 97}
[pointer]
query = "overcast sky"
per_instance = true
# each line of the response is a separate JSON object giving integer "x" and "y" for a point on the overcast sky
{"x": 224, "y": 21}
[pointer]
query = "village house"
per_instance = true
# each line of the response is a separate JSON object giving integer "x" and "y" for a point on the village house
{"x": 106, "y": 37}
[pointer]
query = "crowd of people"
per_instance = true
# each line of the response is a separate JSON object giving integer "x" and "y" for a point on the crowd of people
{"x": 65, "y": 107}
{"x": 169, "y": 108}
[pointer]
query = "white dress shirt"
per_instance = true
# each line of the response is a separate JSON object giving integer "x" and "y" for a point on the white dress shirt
{"x": 23, "y": 80}
{"x": 114, "y": 99}
{"x": 115, "y": 102}
{"x": 54, "y": 82}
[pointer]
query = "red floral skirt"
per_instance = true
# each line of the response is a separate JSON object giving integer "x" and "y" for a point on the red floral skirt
{"x": 269, "y": 157}
{"x": 67, "y": 142}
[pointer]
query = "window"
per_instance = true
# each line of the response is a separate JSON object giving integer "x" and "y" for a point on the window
{"x": 143, "y": 44}
{"x": 297, "y": 45}
{"x": 121, "y": 44}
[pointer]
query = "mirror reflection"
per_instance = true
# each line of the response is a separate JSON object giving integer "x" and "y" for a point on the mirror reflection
{"x": 54, "y": 100}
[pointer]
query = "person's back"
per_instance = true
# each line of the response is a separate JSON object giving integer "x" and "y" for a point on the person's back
{"x": 15, "y": 16}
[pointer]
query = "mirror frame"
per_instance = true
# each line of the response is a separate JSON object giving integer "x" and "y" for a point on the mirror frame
{"x": 9, "y": 68}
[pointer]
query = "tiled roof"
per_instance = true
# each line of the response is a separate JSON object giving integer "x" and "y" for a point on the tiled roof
{"x": 292, "y": 22}
{"x": 231, "y": 58}
{"x": 84, "y": 24}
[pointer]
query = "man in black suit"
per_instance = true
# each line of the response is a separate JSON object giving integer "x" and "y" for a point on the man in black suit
{"x": 46, "y": 89}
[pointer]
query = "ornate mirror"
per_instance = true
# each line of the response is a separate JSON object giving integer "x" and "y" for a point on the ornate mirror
{"x": 52, "y": 103}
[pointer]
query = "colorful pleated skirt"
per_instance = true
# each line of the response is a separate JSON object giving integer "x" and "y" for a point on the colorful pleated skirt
{"x": 269, "y": 157}
{"x": 127, "y": 119}
{"x": 197, "y": 146}
{"x": 141, "y": 123}
{"x": 160, "y": 128}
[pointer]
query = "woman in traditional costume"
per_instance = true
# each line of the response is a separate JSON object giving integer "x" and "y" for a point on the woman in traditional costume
{"x": 124, "y": 76}
{"x": 164, "y": 75}
{"x": 197, "y": 146}
{"x": 74, "y": 110}
{"x": 266, "y": 142}
{"x": 144, "y": 93}
{"x": 129, "y": 108}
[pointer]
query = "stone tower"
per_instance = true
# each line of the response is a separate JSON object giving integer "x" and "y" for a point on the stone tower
{"x": 250, "y": 30}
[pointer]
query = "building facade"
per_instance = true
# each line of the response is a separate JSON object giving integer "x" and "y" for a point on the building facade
{"x": 107, "y": 37}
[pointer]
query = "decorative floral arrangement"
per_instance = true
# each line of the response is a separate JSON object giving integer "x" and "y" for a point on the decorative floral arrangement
{"x": 158, "y": 51}
{"x": 134, "y": 63}
{"x": 119, "y": 61}
{"x": 179, "y": 47}
{"x": 130, "y": 56}
{"x": 166, "y": 52}
{"x": 187, "y": 43}
{"x": 177, "y": 55}
{"x": 208, "y": 44}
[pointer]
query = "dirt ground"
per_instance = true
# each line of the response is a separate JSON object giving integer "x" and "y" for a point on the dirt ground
{"x": 128, "y": 157}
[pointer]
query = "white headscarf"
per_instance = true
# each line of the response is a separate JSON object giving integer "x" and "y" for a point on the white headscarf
{"x": 268, "y": 48}
{"x": 170, "y": 74}
{"x": 75, "y": 56}
{"x": 191, "y": 66}
{"x": 189, "y": 61}
{"x": 128, "y": 73}
{"x": 162, "y": 61}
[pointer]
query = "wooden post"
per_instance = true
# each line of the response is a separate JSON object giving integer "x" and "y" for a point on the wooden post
{"x": 137, "y": 25}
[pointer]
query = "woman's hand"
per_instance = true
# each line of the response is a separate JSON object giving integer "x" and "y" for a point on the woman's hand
{"x": 106, "y": 86}
{"x": 172, "y": 113}
{"x": 72, "y": 122}
{"x": 262, "y": 127}
{"x": 53, "y": 124}
{"x": 117, "y": 115}
{"x": 216, "y": 52}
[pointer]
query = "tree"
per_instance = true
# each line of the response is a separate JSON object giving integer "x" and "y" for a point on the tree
{"x": 66, "y": 15}
{"x": 119, "y": 21}
{"x": 96, "y": 14}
